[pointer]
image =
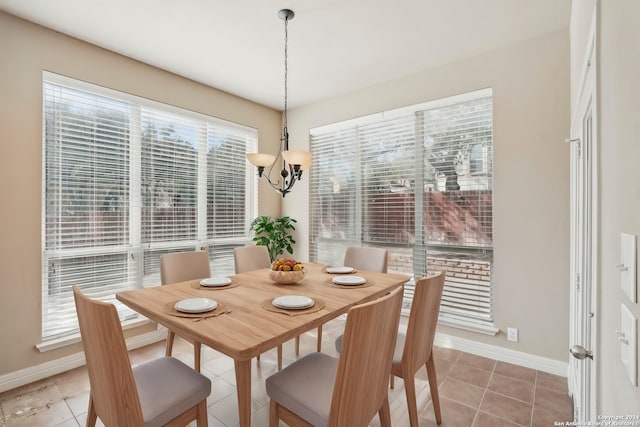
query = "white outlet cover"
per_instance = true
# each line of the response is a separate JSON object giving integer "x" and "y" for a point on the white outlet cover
{"x": 628, "y": 262}
{"x": 628, "y": 343}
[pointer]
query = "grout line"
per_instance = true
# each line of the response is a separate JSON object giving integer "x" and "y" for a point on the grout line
{"x": 533, "y": 402}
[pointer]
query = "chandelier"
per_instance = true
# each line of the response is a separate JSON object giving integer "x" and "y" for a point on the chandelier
{"x": 293, "y": 161}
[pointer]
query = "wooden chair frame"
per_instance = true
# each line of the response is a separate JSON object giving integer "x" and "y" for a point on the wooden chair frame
{"x": 418, "y": 344}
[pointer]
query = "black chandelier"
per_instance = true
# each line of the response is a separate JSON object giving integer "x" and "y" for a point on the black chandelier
{"x": 293, "y": 161}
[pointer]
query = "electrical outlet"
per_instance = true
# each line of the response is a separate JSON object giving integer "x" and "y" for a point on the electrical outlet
{"x": 512, "y": 334}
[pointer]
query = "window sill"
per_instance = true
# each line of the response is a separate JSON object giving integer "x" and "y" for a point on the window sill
{"x": 75, "y": 338}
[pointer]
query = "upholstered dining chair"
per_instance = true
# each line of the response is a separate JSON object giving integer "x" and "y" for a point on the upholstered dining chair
{"x": 321, "y": 390}
{"x": 179, "y": 267}
{"x": 367, "y": 259}
{"x": 250, "y": 258}
{"x": 161, "y": 392}
{"x": 414, "y": 347}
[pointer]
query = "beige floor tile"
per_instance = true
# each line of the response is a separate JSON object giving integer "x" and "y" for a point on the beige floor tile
{"x": 521, "y": 390}
{"x": 46, "y": 416}
{"x": 515, "y": 371}
{"x": 553, "y": 382}
{"x": 484, "y": 419}
{"x": 454, "y": 414}
{"x": 543, "y": 417}
{"x": 471, "y": 375}
{"x": 477, "y": 361}
{"x": 462, "y": 392}
{"x": 507, "y": 408}
{"x": 549, "y": 399}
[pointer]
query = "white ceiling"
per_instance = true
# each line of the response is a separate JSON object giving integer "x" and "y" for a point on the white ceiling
{"x": 335, "y": 46}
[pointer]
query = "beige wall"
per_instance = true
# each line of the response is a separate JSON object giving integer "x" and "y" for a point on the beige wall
{"x": 531, "y": 182}
{"x": 25, "y": 51}
{"x": 618, "y": 46}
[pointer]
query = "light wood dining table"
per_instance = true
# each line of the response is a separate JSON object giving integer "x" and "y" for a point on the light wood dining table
{"x": 249, "y": 329}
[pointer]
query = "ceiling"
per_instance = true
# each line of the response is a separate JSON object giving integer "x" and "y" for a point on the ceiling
{"x": 335, "y": 46}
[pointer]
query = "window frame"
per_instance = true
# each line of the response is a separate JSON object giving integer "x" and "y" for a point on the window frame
{"x": 135, "y": 247}
{"x": 320, "y": 138}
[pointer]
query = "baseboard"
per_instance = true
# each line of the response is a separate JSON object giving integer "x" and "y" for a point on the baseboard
{"x": 53, "y": 367}
{"x": 551, "y": 366}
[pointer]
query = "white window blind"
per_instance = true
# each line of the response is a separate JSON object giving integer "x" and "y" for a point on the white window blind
{"x": 126, "y": 180}
{"x": 417, "y": 181}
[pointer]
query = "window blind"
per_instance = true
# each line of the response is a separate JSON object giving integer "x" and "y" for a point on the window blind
{"x": 126, "y": 180}
{"x": 420, "y": 181}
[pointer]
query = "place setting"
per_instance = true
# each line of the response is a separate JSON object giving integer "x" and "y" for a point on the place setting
{"x": 293, "y": 304}
{"x": 215, "y": 283}
{"x": 348, "y": 282}
{"x": 197, "y": 308}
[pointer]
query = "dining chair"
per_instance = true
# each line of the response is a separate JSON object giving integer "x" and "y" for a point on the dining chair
{"x": 179, "y": 267}
{"x": 250, "y": 258}
{"x": 367, "y": 259}
{"x": 414, "y": 347}
{"x": 321, "y": 390}
{"x": 161, "y": 392}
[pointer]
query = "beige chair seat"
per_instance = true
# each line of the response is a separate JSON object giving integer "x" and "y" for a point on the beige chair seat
{"x": 163, "y": 391}
{"x": 306, "y": 387}
{"x": 320, "y": 390}
{"x": 413, "y": 349}
{"x": 161, "y": 404}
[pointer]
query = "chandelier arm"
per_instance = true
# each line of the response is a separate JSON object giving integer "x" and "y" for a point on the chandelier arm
{"x": 290, "y": 173}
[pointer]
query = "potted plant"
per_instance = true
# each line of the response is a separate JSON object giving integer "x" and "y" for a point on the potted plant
{"x": 274, "y": 233}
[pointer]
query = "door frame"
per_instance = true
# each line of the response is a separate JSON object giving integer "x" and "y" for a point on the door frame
{"x": 584, "y": 306}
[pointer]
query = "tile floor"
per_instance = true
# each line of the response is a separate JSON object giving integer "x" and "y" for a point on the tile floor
{"x": 474, "y": 391}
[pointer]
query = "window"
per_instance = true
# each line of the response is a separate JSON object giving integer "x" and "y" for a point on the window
{"x": 417, "y": 181}
{"x": 126, "y": 180}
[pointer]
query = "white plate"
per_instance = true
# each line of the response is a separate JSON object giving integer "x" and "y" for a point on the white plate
{"x": 196, "y": 305}
{"x": 295, "y": 302}
{"x": 349, "y": 280}
{"x": 339, "y": 269}
{"x": 216, "y": 281}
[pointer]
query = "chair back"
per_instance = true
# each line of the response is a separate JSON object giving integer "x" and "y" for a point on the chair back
{"x": 250, "y": 258}
{"x": 182, "y": 266}
{"x": 365, "y": 361}
{"x": 423, "y": 319}
{"x": 113, "y": 387}
{"x": 368, "y": 259}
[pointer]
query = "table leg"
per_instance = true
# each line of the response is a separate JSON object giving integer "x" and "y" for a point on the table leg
{"x": 243, "y": 385}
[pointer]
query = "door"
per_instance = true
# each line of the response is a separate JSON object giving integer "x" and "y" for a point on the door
{"x": 583, "y": 256}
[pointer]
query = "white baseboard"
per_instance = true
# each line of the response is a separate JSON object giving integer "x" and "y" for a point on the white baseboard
{"x": 551, "y": 366}
{"x": 53, "y": 367}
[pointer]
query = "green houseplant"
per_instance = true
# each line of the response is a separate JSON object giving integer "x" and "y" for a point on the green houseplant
{"x": 274, "y": 233}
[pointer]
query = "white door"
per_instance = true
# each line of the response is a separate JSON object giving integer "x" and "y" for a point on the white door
{"x": 583, "y": 256}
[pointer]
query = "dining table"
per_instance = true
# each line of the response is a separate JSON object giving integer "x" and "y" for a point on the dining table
{"x": 246, "y": 323}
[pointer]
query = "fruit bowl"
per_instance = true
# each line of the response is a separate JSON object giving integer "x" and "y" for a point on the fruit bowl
{"x": 287, "y": 277}
{"x": 286, "y": 271}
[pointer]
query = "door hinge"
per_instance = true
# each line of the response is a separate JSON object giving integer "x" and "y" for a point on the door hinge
{"x": 578, "y": 281}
